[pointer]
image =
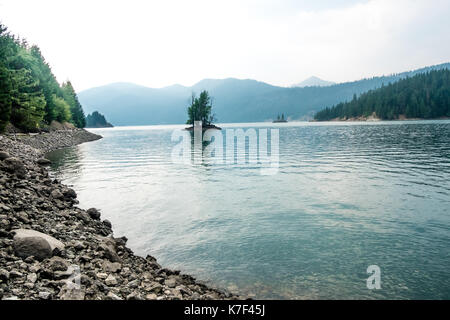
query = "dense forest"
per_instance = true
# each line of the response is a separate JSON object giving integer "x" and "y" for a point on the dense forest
{"x": 30, "y": 95}
{"x": 425, "y": 95}
{"x": 97, "y": 120}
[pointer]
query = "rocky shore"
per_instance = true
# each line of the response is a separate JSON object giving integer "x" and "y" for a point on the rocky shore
{"x": 51, "y": 249}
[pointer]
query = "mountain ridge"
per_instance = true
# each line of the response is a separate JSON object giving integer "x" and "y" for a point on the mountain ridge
{"x": 234, "y": 100}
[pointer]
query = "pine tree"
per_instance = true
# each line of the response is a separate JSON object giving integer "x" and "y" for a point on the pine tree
{"x": 27, "y": 101}
{"x": 200, "y": 109}
{"x": 5, "y": 78}
{"x": 78, "y": 118}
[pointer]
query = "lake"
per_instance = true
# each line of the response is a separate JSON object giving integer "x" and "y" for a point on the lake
{"x": 345, "y": 196}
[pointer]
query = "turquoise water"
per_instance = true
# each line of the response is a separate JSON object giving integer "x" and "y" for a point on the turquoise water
{"x": 346, "y": 196}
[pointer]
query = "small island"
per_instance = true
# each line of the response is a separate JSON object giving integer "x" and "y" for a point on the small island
{"x": 280, "y": 119}
{"x": 97, "y": 120}
{"x": 200, "y": 110}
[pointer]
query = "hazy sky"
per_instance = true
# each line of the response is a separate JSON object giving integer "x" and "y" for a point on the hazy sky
{"x": 159, "y": 43}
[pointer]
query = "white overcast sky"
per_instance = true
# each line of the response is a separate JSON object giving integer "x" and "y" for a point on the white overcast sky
{"x": 159, "y": 43}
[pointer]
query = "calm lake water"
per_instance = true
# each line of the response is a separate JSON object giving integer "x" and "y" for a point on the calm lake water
{"x": 346, "y": 196}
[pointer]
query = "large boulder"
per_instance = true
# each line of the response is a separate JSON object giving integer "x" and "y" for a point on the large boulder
{"x": 43, "y": 162}
{"x": 56, "y": 194}
{"x": 16, "y": 166}
{"x": 70, "y": 193}
{"x": 94, "y": 213}
{"x": 37, "y": 247}
{"x": 29, "y": 242}
{"x": 4, "y": 155}
{"x": 109, "y": 253}
{"x": 108, "y": 246}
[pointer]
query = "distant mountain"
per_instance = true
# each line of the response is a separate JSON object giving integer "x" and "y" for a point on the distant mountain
{"x": 234, "y": 100}
{"x": 314, "y": 82}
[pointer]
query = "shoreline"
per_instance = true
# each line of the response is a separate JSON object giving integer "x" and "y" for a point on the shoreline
{"x": 73, "y": 254}
{"x": 375, "y": 119}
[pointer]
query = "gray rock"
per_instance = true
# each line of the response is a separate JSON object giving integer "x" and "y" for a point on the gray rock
{"x": 107, "y": 223}
{"x": 109, "y": 253}
{"x": 94, "y": 213}
{"x": 43, "y": 162}
{"x": 15, "y": 274}
{"x": 134, "y": 296}
{"x": 58, "y": 264}
{"x": 4, "y": 155}
{"x": 4, "y": 275}
{"x": 15, "y": 166}
{"x": 111, "y": 266}
{"x": 29, "y": 242}
{"x": 32, "y": 246}
{"x": 133, "y": 284}
{"x": 102, "y": 275}
{"x": 79, "y": 245}
{"x": 111, "y": 281}
{"x": 32, "y": 277}
{"x": 156, "y": 288}
{"x": 56, "y": 194}
{"x": 58, "y": 275}
{"x": 44, "y": 295}
{"x": 113, "y": 296}
{"x": 29, "y": 285}
{"x": 22, "y": 216}
{"x": 171, "y": 282}
{"x": 70, "y": 193}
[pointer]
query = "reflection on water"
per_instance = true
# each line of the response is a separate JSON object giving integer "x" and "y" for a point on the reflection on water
{"x": 66, "y": 161}
{"x": 346, "y": 196}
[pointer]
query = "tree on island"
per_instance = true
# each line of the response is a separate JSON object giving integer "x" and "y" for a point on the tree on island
{"x": 200, "y": 109}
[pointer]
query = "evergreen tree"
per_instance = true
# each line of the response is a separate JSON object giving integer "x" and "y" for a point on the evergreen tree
{"x": 27, "y": 101}
{"x": 62, "y": 109}
{"x": 5, "y": 77}
{"x": 78, "y": 118}
{"x": 200, "y": 109}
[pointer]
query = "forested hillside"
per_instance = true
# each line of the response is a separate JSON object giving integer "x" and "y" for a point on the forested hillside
{"x": 30, "y": 96}
{"x": 425, "y": 95}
